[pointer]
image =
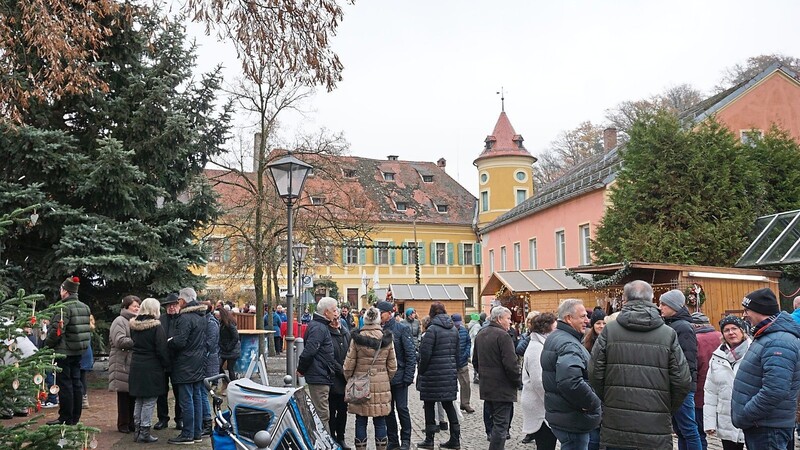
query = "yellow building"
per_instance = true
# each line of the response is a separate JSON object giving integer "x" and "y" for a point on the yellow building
{"x": 400, "y": 201}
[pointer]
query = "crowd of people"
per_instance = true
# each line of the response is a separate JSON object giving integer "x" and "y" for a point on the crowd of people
{"x": 628, "y": 380}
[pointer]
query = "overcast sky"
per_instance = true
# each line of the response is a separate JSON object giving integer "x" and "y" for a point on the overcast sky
{"x": 421, "y": 77}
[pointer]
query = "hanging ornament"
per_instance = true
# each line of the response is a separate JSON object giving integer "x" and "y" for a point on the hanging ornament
{"x": 63, "y": 441}
{"x": 54, "y": 389}
{"x": 38, "y": 379}
{"x": 15, "y": 384}
{"x": 86, "y": 441}
{"x": 60, "y": 321}
{"x": 93, "y": 442}
{"x": 12, "y": 346}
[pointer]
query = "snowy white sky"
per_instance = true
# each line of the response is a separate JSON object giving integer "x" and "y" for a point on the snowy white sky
{"x": 421, "y": 76}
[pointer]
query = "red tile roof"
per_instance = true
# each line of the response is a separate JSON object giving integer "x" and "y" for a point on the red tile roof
{"x": 503, "y": 141}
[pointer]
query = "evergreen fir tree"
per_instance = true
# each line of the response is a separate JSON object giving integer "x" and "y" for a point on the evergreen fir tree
{"x": 118, "y": 174}
{"x": 683, "y": 196}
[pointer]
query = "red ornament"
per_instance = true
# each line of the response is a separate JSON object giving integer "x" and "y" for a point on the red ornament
{"x": 76, "y": 279}
{"x": 33, "y": 320}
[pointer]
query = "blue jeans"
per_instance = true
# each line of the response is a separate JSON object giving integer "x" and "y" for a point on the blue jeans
{"x": 361, "y": 427}
{"x": 685, "y": 427}
{"x": 764, "y": 438}
{"x": 399, "y": 406}
{"x": 191, "y": 404}
{"x": 206, "y": 405}
{"x": 571, "y": 441}
{"x": 594, "y": 439}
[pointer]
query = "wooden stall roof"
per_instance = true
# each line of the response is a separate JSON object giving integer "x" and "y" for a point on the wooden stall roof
{"x": 402, "y": 292}
{"x": 607, "y": 269}
{"x": 542, "y": 280}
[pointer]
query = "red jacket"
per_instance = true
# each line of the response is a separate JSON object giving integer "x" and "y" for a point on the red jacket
{"x": 708, "y": 340}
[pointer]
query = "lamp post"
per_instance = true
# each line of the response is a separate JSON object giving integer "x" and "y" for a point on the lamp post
{"x": 289, "y": 174}
{"x": 365, "y": 279}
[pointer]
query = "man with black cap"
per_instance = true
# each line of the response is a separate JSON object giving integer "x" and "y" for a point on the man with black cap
{"x": 406, "y": 355}
{"x": 673, "y": 308}
{"x": 69, "y": 334}
{"x": 764, "y": 397}
{"x": 162, "y": 406}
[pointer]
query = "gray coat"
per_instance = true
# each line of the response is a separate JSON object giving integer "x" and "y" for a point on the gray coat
{"x": 640, "y": 373}
{"x": 570, "y": 403}
{"x": 496, "y": 364}
{"x": 119, "y": 357}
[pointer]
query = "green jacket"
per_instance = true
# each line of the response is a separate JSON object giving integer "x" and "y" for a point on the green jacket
{"x": 75, "y": 334}
{"x": 640, "y": 374}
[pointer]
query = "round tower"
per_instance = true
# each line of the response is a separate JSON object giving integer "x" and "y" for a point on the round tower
{"x": 505, "y": 172}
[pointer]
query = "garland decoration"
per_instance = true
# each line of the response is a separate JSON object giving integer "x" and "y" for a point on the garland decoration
{"x": 599, "y": 281}
{"x": 695, "y": 295}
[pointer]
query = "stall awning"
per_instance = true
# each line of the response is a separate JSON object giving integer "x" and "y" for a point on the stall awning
{"x": 542, "y": 280}
{"x": 402, "y": 292}
{"x": 775, "y": 241}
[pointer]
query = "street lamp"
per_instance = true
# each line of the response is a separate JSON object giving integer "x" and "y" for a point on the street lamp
{"x": 365, "y": 279}
{"x": 289, "y": 174}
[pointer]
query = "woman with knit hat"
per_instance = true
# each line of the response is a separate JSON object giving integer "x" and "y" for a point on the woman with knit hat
{"x": 722, "y": 370}
{"x": 596, "y": 324}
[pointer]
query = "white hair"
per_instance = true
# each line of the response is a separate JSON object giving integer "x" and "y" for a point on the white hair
{"x": 187, "y": 294}
{"x": 150, "y": 307}
{"x": 325, "y": 304}
{"x": 567, "y": 307}
{"x": 498, "y": 312}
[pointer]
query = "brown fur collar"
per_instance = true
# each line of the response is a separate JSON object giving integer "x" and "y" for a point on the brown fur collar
{"x": 197, "y": 308}
{"x": 144, "y": 323}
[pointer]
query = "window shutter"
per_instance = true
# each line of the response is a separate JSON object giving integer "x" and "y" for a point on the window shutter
{"x": 433, "y": 253}
{"x": 375, "y": 253}
{"x": 421, "y": 256}
{"x": 344, "y": 255}
{"x": 476, "y": 253}
{"x": 450, "y": 254}
{"x": 392, "y": 252}
{"x": 460, "y": 254}
{"x": 362, "y": 255}
{"x": 406, "y": 253}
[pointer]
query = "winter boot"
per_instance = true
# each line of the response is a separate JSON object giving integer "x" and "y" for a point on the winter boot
{"x": 455, "y": 437}
{"x": 361, "y": 445}
{"x": 136, "y": 433}
{"x": 442, "y": 426}
{"x": 430, "y": 432}
{"x": 145, "y": 437}
{"x": 404, "y": 445}
{"x": 207, "y": 427}
{"x": 85, "y": 402}
{"x": 380, "y": 444}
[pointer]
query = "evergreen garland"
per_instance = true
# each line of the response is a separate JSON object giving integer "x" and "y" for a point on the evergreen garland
{"x": 600, "y": 281}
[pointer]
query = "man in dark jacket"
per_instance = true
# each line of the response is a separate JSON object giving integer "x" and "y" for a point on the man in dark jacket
{"x": 639, "y": 372}
{"x": 765, "y": 389}
{"x": 406, "y": 354}
{"x": 673, "y": 309}
{"x": 572, "y": 409}
{"x": 495, "y": 362}
{"x": 69, "y": 334}
{"x": 162, "y": 406}
{"x": 338, "y": 407}
{"x": 188, "y": 344}
{"x": 317, "y": 363}
{"x": 464, "y": 349}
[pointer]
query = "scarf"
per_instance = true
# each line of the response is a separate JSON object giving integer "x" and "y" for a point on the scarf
{"x": 735, "y": 354}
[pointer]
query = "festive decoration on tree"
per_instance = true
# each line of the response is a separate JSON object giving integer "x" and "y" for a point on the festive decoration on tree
{"x": 601, "y": 282}
{"x": 695, "y": 295}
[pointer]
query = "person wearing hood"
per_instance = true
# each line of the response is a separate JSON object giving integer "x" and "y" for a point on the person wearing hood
{"x": 673, "y": 308}
{"x": 708, "y": 340}
{"x": 764, "y": 399}
{"x": 638, "y": 357}
{"x": 718, "y": 384}
{"x": 438, "y": 375}
{"x": 473, "y": 333}
{"x": 188, "y": 344}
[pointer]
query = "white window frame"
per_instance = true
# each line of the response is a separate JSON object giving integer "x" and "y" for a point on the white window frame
{"x": 561, "y": 249}
{"x": 517, "y": 256}
{"x": 468, "y": 248}
{"x": 533, "y": 254}
{"x": 401, "y": 206}
{"x": 351, "y": 256}
{"x": 585, "y": 236}
{"x": 388, "y": 176}
{"x": 491, "y": 261}
{"x": 440, "y": 258}
{"x": 382, "y": 253}
{"x": 503, "y": 257}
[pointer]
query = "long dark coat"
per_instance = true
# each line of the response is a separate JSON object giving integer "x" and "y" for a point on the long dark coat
{"x": 150, "y": 358}
{"x": 495, "y": 361}
{"x": 189, "y": 344}
{"x": 341, "y": 344}
{"x": 438, "y": 352}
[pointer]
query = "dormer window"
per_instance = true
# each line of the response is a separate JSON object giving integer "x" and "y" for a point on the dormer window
{"x": 518, "y": 140}
{"x": 401, "y": 206}
{"x": 388, "y": 176}
{"x": 489, "y": 143}
{"x": 427, "y": 178}
{"x": 349, "y": 173}
{"x": 441, "y": 208}
{"x": 317, "y": 200}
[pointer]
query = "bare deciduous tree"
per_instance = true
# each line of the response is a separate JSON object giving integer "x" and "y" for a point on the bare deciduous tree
{"x": 754, "y": 65}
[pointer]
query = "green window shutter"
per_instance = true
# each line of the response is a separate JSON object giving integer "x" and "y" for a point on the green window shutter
{"x": 433, "y": 253}
{"x": 460, "y": 254}
{"x": 421, "y": 256}
{"x": 362, "y": 255}
{"x": 476, "y": 253}
{"x": 226, "y": 251}
{"x": 406, "y": 259}
{"x": 344, "y": 255}
{"x": 391, "y": 253}
{"x": 375, "y": 254}
{"x": 450, "y": 254}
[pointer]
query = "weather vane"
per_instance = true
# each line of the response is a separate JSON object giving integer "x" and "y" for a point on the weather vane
{"x": 502, "y": 99}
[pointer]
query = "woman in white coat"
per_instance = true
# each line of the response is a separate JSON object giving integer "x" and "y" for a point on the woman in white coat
{"x": 719, "y": 383}
{"x": 533, "y": 423}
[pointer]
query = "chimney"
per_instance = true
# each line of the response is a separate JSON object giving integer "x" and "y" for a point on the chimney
{"x": 609, "y": 138}
{"x": 392, "y": 157}
{"x": 442, "y": 163}
{"x": 256, "y": 144}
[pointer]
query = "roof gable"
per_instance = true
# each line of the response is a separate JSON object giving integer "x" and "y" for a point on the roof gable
{"x": 504, "y": 141}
